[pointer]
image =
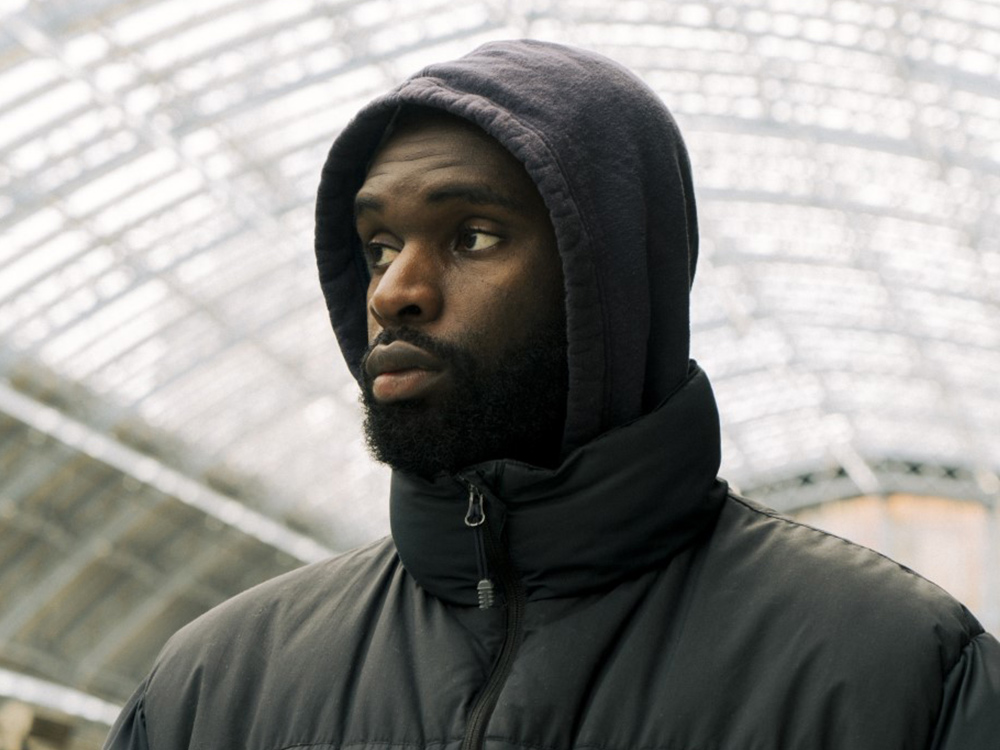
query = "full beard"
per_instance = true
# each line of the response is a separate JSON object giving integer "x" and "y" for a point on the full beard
{"x": 511, "y": 406}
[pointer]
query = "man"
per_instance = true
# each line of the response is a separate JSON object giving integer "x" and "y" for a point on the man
{"x": 506, "y": 243}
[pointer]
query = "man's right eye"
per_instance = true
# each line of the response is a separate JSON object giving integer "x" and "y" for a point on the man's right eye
{"x": 379, "y": 256}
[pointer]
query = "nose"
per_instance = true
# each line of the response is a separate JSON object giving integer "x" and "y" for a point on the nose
{"x": 409, "y": 291}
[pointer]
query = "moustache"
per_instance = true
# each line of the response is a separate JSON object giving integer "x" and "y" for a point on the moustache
{"x": 446, "y": 352}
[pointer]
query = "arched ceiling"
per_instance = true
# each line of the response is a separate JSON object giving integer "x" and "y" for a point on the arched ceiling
{"x": 175, "y": 420}
{"x": 160, "y": 160}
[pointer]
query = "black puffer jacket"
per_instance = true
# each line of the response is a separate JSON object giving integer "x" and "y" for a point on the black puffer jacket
{"x": 640, "y": 605}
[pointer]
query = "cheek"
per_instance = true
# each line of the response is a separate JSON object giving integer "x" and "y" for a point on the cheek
{"x": 513, "y": 309}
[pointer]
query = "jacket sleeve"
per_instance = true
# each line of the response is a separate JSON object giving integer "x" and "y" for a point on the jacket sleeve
{"x": 970, "y": 711}
{"x": 129, "y": 731}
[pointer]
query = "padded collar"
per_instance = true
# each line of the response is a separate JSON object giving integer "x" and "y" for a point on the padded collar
{"x": 620, "y": 505}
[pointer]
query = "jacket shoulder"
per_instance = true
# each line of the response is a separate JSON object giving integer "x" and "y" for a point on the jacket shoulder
{"x": 827, "y": 628}
{"x": 269, "y": 609}
{"x": 245, "y": 637}
{"x": 837, "y": 585}
{"x": 250, "y": 649}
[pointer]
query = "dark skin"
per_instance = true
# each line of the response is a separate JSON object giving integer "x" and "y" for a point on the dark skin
{"x": 458, "y": 241}
{"x": 466, "y": 286}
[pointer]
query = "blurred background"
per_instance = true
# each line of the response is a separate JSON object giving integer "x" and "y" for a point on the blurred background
{"x": 176, "y": 423}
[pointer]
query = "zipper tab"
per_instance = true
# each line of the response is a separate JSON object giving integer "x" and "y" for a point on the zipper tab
{"x": 476, "y": 514}
{"x": 475, "y": 519}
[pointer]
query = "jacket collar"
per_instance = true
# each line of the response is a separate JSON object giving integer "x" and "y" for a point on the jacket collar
{"x": 622, "y": 504}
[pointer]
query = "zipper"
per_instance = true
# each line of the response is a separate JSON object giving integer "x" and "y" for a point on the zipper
{"x": 493, "y": 558}
{"x": 475, "y": 519}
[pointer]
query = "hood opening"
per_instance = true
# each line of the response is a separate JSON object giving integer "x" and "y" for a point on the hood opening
{"x": 611, "y": 166}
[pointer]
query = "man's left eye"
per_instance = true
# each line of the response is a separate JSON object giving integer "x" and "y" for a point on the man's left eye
{"x": 475, "y": 239}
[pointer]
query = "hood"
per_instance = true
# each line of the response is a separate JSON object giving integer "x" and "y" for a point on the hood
{"x": 608, "y": 161}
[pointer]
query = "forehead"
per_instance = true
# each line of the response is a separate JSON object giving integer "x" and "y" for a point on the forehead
{"x": 443, "y": 149}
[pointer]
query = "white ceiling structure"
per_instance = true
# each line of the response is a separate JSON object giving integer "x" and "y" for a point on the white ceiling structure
{"x": 160, "y": 314}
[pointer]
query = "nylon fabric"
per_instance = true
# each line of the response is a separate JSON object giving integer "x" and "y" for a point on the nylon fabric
{"x": 762, "y": 634}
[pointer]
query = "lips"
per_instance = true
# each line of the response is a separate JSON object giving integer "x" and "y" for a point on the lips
{"x": 401, "y": 370}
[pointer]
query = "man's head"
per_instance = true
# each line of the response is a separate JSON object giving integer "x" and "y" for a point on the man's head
{"x": 465, "y": 306}
{"x": 605, "y": 155}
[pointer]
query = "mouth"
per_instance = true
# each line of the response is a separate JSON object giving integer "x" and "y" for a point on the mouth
{"x": 400, "y": 371}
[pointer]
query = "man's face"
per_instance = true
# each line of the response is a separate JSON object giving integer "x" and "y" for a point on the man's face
{"x": 466, "y": 311}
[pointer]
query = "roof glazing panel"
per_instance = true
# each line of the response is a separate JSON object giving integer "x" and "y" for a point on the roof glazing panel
{"x": 159, "y": 160}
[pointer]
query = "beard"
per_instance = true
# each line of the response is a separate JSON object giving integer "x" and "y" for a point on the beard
{"x": 511, "y": 405}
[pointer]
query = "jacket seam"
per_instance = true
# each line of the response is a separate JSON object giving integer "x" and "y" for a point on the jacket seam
{"x": 368, "y": 742}
{"x": 589, "y": 745}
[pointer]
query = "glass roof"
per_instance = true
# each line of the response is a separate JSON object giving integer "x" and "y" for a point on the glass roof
{"x": 159, "y": 161}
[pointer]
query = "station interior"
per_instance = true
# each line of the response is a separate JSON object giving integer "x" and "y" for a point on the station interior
{"x": 177, "y": 423}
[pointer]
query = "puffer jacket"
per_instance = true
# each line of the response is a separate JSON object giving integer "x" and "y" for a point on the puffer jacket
{"x": 639, "y": 604}
{"x": 644, "y": 608}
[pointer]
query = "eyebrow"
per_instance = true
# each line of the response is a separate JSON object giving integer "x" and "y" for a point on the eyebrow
{"x": 481, "y": 195}
{"x": 478, "y": 194}
{"x": 365, "y": 203}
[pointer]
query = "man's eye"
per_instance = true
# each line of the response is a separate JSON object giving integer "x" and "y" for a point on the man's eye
{"x": 475, "y": 239}
{"x": 379, "y": 256}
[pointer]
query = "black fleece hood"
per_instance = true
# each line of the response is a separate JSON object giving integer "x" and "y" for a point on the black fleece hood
{"x": 610, "y": 164}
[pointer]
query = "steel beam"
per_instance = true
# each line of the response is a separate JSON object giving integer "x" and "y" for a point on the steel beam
{"x": 140, "y": 617}
{"x": 154, "y": 473}
{"x": 60, "y": 577}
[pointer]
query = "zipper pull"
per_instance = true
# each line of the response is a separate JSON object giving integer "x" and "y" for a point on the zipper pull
{"x": 475, "y": 519}
{"x": 475, "y": 516}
